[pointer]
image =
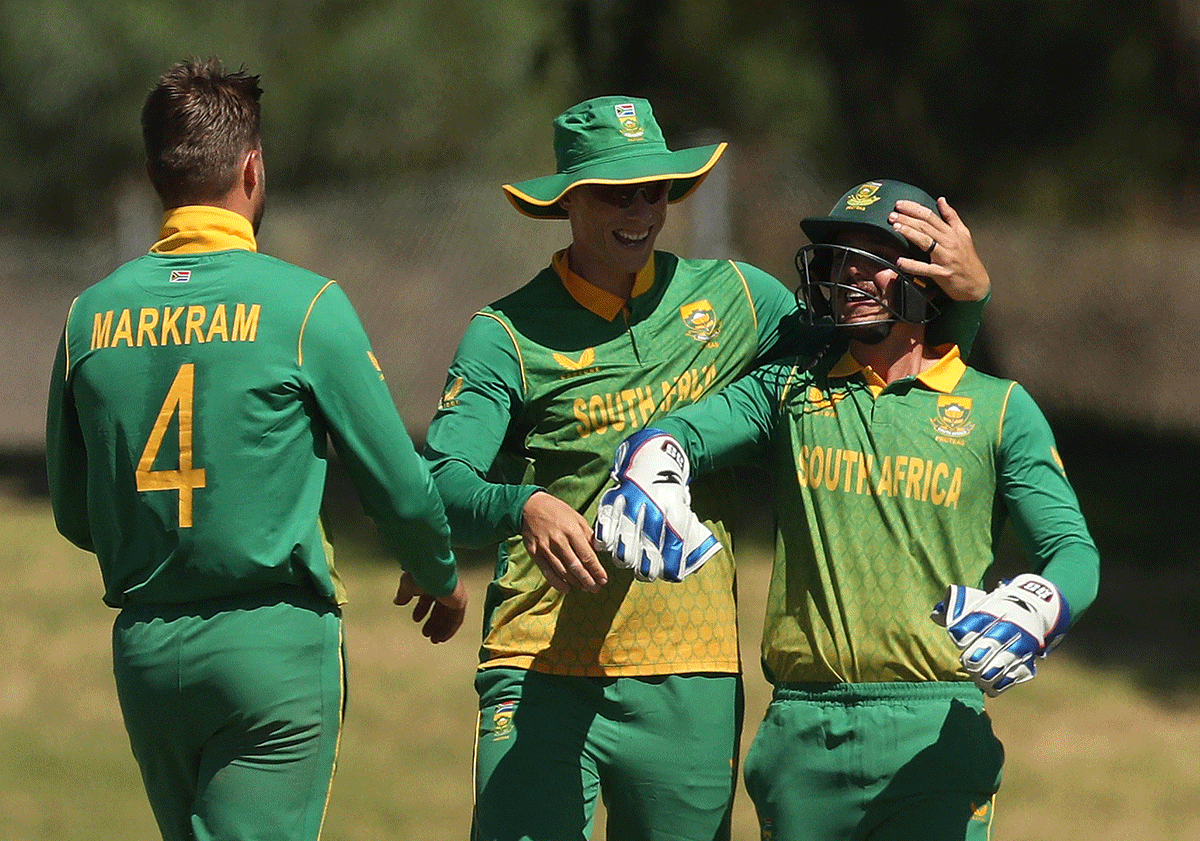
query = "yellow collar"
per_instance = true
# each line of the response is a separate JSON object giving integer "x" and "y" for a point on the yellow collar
{"x": 942, "y": 376}
{"x": 591, "y": 297}
{"x": 195, "y": 229}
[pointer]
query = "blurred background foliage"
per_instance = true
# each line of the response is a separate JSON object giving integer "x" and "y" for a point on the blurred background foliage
{"x": 1068, "y": 134}
{"x": 1064, "y": 110}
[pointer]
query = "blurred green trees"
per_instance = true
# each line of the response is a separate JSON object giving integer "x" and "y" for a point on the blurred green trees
{"x": 1059, "y": 109}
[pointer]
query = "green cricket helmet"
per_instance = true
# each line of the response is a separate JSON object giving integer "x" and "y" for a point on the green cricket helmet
{"x": 864, "y": 209}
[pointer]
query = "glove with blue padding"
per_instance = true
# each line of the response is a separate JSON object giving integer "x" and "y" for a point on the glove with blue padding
{"x": 1002, "y": 631}
{"x": 646, "y": 521}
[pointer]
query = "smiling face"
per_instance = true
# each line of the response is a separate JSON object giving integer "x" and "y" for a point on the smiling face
{"x": 866, "y": 290}
{"x": 610, "y": 243}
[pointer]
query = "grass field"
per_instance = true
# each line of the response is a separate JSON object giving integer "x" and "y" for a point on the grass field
{"x": 1090, "y": 753}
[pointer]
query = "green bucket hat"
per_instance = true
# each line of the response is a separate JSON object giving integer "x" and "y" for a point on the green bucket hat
{"x": 866, "y": 208}
{"x": 610, "y": 140}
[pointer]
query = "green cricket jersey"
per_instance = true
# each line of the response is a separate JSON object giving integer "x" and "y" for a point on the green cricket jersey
{"x": 546, "y": 383}
{"x": 192, "y": 396}
{"x": 884, "y": 495}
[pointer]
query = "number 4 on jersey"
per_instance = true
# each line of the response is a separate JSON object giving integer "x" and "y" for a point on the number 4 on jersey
{"x": 186, "y": 478}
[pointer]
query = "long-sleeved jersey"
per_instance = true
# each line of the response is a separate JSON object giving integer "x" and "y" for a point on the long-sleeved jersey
{"x": 545, "y": 384}
{"x": 192, "y": 396}
{"x": 884, "y": 495}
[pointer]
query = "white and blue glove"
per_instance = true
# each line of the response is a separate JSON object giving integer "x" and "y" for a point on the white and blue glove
{"x": 1001, "y": 632}
{"x": 646, "y": 521}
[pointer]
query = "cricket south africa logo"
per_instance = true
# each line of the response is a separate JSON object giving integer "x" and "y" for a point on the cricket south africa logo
{"x": 627, "y": 121}
{"x": 865, "y": 196}
{"x": 700, "y": 320}
{"x": 502, "y": 720}
{"x": 953, "y": 418}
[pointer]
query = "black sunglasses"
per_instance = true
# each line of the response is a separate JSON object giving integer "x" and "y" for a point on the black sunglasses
{"x": 624, "y": 195}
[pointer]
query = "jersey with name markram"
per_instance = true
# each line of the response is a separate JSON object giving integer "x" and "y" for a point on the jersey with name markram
{"x": 192, "y": 398}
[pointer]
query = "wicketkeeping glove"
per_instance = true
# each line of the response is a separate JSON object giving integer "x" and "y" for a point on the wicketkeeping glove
{"x": 646, "y": 521}
{"x": 1002, "y": 631}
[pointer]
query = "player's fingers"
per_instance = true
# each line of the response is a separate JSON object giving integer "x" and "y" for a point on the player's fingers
{"x": 443, "y": 623}
{"x": 581, "y": 563}
{"x": 406, "y": 589}
{"x": 421, "y": 608}
{"x": 928, "y": 241}
{"x": 552, "y": 570}
{"x": 949, "y": 214}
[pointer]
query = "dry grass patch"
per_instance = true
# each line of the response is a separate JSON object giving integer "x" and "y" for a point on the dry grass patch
{"x": 1090, "y": 753}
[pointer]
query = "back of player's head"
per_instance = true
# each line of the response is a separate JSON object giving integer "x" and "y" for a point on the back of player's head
{"x": 197, "y": 124}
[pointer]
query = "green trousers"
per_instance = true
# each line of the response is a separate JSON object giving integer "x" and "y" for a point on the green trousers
{"x": 875, "y": 762}
{"x": 661, "y": 751}
{"x": 234, "y": 709}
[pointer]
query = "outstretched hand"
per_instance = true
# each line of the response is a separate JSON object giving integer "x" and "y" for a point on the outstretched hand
{"x": 443, "y": 616}
{"x": 953, "y": 263}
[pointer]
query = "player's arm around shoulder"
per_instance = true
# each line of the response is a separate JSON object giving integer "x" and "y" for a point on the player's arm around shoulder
{"x": 781, "y": 329}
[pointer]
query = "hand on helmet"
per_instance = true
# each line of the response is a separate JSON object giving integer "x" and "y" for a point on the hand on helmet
{"x": 953, "y": 264}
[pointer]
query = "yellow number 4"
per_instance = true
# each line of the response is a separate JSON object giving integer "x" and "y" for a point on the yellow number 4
{"x": 186, "y": 478}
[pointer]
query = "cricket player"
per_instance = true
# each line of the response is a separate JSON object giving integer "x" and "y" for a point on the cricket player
{"x": 192, "y": 397}
{"x": 591, "y": 683}
{"x": 895, "y": 468}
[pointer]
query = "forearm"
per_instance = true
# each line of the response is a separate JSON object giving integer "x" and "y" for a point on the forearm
{"x": 729, "y": 427}
{"x": 1075, "y": 571}
{"x": 958, "y": 324}
{"x": 480, "y": 512}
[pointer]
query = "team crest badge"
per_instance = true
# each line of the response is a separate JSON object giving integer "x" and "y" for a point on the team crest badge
{"x": 701, "y": 320}
{"x": 953, "y": 418}
{"x": 181, "y": 276}
{"x": 865, "y": 196}
{"x": 627, "y": 119}
{"x": 450, "y": 395}
{"x": 502, "y": 720}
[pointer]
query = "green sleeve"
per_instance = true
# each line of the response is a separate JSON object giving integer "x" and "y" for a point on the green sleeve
{"x": 66, "y": 458}
{"x": 484, "y": 392}
{"x": 781, "y": 329}
{"x": 958, "y": 324}
{"x": 735, "y": 424}
{"x": 391, "y": 479}
{"x": 1043, "y": 506}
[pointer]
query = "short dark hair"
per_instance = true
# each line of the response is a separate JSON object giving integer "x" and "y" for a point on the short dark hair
{"x": 197, "y": 123}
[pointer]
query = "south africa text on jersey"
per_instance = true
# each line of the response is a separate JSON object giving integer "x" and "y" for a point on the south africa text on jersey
{"x": 175, "y": 325}
{"x": 850, "y": 471}
{"x": 634, "y": 407}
